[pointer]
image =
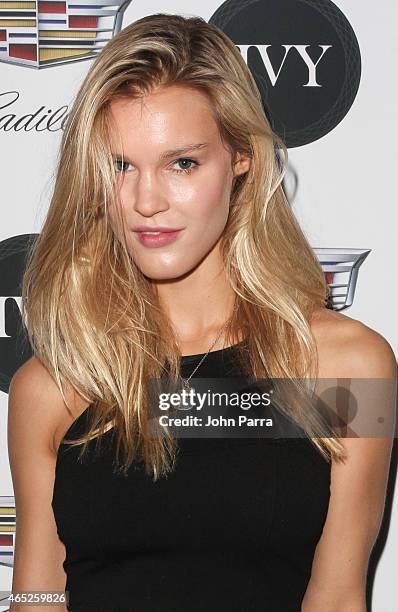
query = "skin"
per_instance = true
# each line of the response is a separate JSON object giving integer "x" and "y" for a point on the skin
{"x": 192, "y": 287}
{"x": 349, "y": 349}
{"x": 188, "y": 272}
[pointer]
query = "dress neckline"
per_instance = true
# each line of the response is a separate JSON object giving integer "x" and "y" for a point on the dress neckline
{"x": 216, "y": 353}
{"x": 184, "y": 360}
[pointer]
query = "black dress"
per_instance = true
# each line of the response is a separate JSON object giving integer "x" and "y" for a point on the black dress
{"x": 233, "y": 528}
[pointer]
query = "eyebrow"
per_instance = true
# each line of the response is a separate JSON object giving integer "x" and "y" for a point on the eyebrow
{"x": 173, "y": 152}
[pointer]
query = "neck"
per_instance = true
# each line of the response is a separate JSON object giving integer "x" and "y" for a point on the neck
{"x": 197, "y": 304}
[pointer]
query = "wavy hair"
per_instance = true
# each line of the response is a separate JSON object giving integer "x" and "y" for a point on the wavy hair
{"x": 94, "y": 320}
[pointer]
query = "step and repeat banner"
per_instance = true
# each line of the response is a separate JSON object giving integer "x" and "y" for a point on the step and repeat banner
{"x": 325, "y": 71}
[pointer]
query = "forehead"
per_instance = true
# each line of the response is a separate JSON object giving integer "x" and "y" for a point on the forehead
{"x": 171, "y": 114}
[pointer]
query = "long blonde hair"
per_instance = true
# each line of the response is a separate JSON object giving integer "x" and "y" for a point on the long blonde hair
{"x": 93, "y": 318}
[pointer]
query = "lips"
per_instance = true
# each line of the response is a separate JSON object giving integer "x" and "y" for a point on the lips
{"x": 153, "y": 238}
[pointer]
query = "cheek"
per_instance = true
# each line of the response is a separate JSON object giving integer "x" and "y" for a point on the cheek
{"x": 209, "y": 201}
{"x": 213, "y": 212}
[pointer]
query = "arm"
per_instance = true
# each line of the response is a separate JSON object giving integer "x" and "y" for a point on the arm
{"x": 358, "y": 489}
{"x": 33, "y": 405}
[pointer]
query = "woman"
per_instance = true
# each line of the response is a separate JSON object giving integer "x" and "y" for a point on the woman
{"x": 169, "y": 242}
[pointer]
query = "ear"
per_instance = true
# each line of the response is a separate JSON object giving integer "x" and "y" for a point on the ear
{"x": 241, "y": 165}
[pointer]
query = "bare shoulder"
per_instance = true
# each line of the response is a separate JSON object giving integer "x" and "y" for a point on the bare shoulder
{"x": 36, "y": 401}
{"x": 349, "y": 348}
{"x": 35, "y": 409}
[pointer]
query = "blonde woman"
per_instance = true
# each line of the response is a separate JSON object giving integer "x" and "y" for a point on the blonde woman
{"x": 169, "y": 240}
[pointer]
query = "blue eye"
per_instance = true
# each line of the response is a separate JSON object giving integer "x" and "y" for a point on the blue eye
{"x": 185, "y": 170}
{"x": 119, "y": 161}
{"x": 123, "y": 165}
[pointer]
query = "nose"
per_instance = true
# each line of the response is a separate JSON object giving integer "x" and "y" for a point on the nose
{"x": 149, "y": 195}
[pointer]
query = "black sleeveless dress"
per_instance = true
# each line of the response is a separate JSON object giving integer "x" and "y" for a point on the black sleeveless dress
{"x": 233, "y": 528}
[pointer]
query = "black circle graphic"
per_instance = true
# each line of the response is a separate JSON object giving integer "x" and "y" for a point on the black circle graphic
{"x": 15, "y": 347}
{"x": 304, "y": 57}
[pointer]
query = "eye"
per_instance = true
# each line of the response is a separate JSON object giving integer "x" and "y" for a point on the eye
{"x": 185, "y": 160}
{"x": 120, "y": 169}
{"x": 121, "y": 166}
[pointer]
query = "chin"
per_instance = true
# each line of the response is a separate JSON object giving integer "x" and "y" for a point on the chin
{"x": 165, "y": 274}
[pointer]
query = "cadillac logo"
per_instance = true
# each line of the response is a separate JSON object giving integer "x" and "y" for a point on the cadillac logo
{"x": 42, "y": 33}
{"x": 7, "y": 530}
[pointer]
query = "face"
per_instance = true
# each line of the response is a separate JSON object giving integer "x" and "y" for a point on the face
{"x": 177, "y": 175}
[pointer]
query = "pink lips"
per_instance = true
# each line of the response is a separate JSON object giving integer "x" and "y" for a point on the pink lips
{"x": 157, "y": 240}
